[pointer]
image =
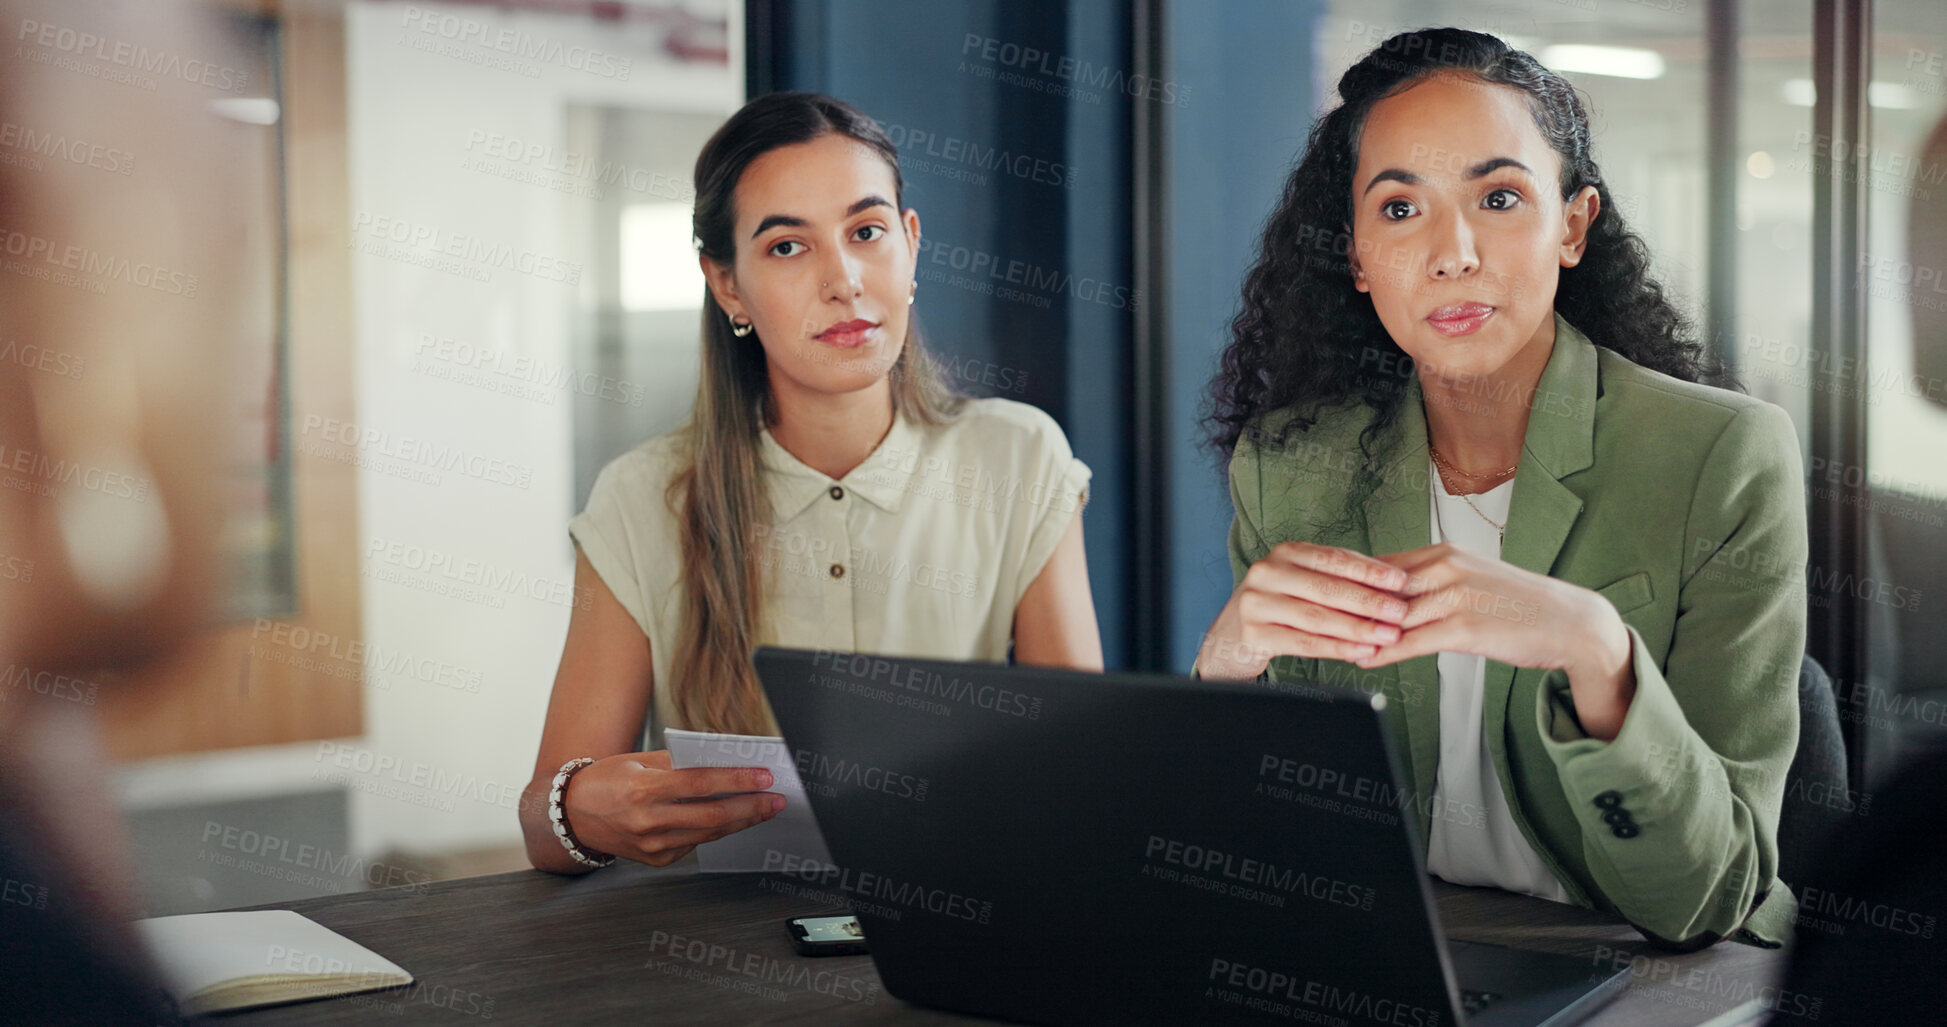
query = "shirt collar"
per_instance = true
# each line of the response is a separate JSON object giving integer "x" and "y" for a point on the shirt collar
{"x": 881, "y": 479}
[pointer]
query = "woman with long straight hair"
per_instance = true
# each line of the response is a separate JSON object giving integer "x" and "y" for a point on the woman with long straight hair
{"x": 1480, "y": 464}
{"x": 830, "y": 491}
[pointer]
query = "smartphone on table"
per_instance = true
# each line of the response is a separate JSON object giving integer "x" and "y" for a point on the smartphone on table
{"x": 826, "y": 935}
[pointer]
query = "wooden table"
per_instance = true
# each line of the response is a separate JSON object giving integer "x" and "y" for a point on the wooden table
{"x": 638, "y": 945}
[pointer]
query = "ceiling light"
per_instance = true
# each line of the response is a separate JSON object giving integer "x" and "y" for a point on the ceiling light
{"x": 1614, "y": 61}
{"x": 1892, "y": 96}
{"x": 251, "y": 110}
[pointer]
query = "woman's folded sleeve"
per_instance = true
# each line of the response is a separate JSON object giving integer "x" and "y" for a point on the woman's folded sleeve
{"x": 1679, "y": 812}
{"x": 602, "y": 531}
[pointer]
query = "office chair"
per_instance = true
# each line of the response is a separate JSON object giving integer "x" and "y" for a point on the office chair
{"x": 1816, "y": 798}
{"x": 1867, "y": 949}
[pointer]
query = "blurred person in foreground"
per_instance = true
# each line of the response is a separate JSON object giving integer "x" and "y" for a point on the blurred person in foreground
{"x": 96, "y": 580}
{"x": 1871, "y": 945}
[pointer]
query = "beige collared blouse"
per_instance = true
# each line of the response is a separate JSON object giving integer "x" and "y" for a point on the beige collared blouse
{"x": 923, "y": 550}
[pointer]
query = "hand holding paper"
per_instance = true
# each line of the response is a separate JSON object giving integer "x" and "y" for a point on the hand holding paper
{"x": 639, "y": 806}
{"x": 792, "y": 832}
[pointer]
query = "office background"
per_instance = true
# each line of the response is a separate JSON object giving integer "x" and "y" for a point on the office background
{"x": 483, "y": 211}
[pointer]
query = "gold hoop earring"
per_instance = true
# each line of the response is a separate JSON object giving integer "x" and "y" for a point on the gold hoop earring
{"x": 741, "y": 328}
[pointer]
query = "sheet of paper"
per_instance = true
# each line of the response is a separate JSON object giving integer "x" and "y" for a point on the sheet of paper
{"x": 790, "y": 839}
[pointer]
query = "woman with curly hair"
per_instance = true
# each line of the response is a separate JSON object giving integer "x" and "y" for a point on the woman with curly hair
{"x": 1481, "y": 465}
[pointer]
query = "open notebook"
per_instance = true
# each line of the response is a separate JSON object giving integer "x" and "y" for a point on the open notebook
{"x": 216, "y": 961}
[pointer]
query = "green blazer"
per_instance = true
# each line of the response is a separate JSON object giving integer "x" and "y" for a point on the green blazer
{"x": 1681, "y": 504}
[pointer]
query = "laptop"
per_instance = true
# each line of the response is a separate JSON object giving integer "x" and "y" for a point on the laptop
{"x": 1060, "y": 847}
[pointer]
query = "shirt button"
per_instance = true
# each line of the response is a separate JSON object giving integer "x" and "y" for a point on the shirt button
{"x": 1616, "y": 817}
{"x": 1624, "y": 830}
{"x": 838, "y": 570}
{"x": 1609, "y": 799}
{"x": 837, "y": 492}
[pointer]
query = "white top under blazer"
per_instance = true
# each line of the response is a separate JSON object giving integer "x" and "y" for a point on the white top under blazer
{"x": 1474, "y": 839}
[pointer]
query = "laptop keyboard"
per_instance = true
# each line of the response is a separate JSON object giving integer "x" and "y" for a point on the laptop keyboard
{"x": 1475, "y": 1001}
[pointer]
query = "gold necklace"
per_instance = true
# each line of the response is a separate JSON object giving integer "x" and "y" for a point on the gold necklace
{"x": 1501, "y": 529}
{"x": 1447, "y": 465}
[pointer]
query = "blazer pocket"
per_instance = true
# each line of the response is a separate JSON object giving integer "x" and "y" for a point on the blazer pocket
{"x": 1629, "y": 594}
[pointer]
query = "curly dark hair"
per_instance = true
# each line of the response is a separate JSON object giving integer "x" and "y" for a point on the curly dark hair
{"x": 1304, "y": 338}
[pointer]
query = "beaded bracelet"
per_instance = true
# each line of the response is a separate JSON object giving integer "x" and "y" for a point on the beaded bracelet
{"x": 559, "y": 816}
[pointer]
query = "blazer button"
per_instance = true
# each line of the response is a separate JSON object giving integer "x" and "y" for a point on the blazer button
{"x": 1616, "y": 817}
{"x": 1624, "y": 831}
{"x": 1609, "y": 799}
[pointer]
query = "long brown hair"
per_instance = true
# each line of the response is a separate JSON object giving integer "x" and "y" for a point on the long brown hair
{"x": 717, "y": 495}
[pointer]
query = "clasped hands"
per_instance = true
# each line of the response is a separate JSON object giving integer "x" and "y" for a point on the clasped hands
{"x": 1326, "y": 602}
